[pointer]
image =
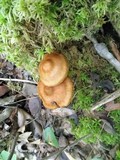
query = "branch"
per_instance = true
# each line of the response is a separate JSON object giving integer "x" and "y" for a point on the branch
{"x": 18, "y": 80}
{"x": 106, "y": 99}
{"x": 103, "y": 51}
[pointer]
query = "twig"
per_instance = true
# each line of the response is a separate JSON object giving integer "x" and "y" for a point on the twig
{"x": 13, "y": 146}
{"x": 106, "y": 99}
{"x": 57, "y": 153}
{"x": 16, "y": 102}
{"x": 18, "y": 80}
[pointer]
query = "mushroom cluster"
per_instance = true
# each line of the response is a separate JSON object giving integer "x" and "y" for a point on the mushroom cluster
{"x": 54, "y": 88}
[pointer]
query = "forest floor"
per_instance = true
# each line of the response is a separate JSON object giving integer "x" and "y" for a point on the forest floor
{"x": 30, "y": 131}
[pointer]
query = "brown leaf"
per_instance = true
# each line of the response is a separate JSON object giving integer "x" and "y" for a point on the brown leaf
{"x": 3, "y": 90}
{"x": 115, "y": 49}
{"x": 111, "y": 106}
{"x": 35, "y": 106}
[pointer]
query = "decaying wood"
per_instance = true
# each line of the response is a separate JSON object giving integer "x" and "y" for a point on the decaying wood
{"x": 115, "y": 50}
{"x": 106, "y": 99}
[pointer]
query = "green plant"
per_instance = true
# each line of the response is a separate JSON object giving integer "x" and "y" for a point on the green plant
{"x": 117, "y": 155}
{"x": 29, "y": 28}
{"x": 87, "y": 126}
{"x": 86, "y": 96}
{"x": 92, "y": 126}
{"x": 83, "y": 99}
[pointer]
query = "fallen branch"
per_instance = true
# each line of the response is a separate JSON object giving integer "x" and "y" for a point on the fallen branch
{"x": 17, "y": 80}
{"x": 103, "y": 51}
{"x": 106, "y": 99}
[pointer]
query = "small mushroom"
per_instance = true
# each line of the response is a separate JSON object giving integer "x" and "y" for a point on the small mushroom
{"x": 53, "y": 69}
{"x": 57, "y": 96}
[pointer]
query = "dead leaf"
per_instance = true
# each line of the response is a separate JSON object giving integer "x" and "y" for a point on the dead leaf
{"x": 63, "y": 141}
{"x": 24, "y": 137}
{"x": 111, "y": 106}
{"x": 7, "y": 100}
{"x": 38, "y": 130}
{"x": 37, "y": 142}
{"x": 29, "y": 90}
{"x": 13, "y": 114}
{"x": 21, "y": 129}
{"x": 3, "y": 90}
{"x": 35, "y": 106}
{"x": 107, "y": 127}
{"x": 115, "y": 49}
{"x": 62, "y": 112}
{"x": 23, "y": 116}
{"x": 5, "y": 114}
{"x": 25, "y": 151}
{"x": 66, "y": 127}
{"x": 107, "y": 86}
{"x": 112, "y": 152}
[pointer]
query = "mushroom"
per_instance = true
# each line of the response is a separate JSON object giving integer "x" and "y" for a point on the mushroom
{"x": 57, "y": 96}
{"x": 53, "y": 69}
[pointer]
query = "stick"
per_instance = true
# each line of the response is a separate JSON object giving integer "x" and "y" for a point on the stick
{"x": 106, "y": 99}
{"x": 18, "y": 80}
{"x": 57, "y": 153}
{"x": 13, "y": 147}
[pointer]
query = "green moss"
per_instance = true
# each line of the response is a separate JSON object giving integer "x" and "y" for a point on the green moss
{"x": 86, "y": 96}
{"x": 83, "y": 99}
{"x": 29, "y": 26}
{"x": 117, "y": 155}
{"x": 28, "y": 29}
{"x": 87, "y": 126}
{"x": 93, "y": 126}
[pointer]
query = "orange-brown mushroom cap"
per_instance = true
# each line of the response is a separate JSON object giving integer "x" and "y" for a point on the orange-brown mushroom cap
{"x": 57, "y": 96}
{"x": 53, "y": 69}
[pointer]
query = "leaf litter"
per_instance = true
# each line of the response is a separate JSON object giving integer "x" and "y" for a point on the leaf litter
{"x": 42, "y": 132}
